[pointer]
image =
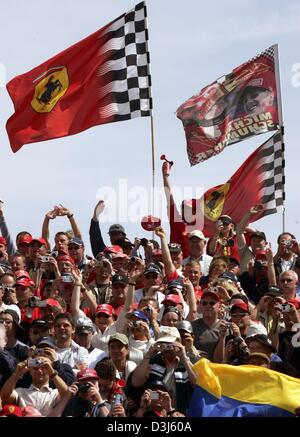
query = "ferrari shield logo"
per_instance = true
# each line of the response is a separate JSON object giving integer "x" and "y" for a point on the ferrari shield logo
{"x": 214, "y": 202}
{"x": 51, "y": 86}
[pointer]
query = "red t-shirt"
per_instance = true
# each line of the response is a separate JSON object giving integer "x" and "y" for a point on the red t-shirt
{"x": 230, "y": 251}
{"x": 178, "y": 231}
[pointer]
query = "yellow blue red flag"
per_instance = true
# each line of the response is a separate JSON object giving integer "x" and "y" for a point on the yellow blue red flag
{"x": 242, "y": 391}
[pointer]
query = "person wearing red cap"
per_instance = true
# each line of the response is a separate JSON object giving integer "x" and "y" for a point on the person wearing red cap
{"x": 10, "y": 410}
{"x": 23, "y": 241}
{"x": 85, "y": 399}
{"x": 105, "y": 322}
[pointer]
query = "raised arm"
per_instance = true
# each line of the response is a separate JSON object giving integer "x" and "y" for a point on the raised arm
{"x": 242, "y": 225}
{"x": 5, "y": 232}
{"x": 96, "y": 240}
{"x": 62, "y": 211}
{"x": 51, "y": 215}
{"x": 166, "y": 256}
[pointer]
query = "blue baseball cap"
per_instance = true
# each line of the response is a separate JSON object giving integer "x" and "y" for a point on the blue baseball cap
{"x": 139, "y": 315}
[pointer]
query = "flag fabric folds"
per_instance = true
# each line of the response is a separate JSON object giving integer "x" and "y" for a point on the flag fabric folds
{"x": 259, "y": 180}
{"x": 235, "y": 107}
{"x": 242, "y": 391}
{"x": 102, "y": 79}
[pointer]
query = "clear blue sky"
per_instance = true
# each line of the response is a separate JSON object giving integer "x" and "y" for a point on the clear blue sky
{"x": 191, "y": 44}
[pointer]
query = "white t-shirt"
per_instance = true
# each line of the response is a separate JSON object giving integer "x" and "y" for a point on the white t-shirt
{"x": 43, "y": 399}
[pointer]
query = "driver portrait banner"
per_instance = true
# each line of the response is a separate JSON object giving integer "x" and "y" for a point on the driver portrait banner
{"x": 235, "y": 107}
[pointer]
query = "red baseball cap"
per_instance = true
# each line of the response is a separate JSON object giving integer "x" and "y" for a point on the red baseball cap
{"x": 86, "y": 374}
{"x": 157, "y": 252}
{"x": 3, "y": 241}
{"x": 53, "y": 303}
{"x": 26, "y": 239}
{"x": 149, "y": 223}
{"x": 105, "y": 309}
{"x": 210, "y": 294}
{"x": 239, "y": 303}
{"x": 65, "y": 258}
{"x": 24, "y": 281}
{"x": 113, "y": 249}
{"x": 174, "y": 298}
{"x": 41, "y": 240}
{"x": 22, "y": 274}
{"x": 11, "y": 410}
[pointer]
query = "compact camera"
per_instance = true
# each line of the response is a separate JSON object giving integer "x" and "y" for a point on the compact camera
{"x": 117, "y": 399}
{"x": 34, "y": 362}
{"x": 166, "y": 347}
{"x": 286, "y": 307}
{"x": 136, "y": 323}
{"x": 45, "y": 259}
{"x": 67, "y": 278}
{"x": 287, "y": 243}
{"x": 154, "y": 396}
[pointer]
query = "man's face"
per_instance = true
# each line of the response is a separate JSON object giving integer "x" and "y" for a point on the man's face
{"x": 24, "y": 249}
{"x": 61, "y": 242}
{"x": 84, "y": 339}
{"x": 37, "y": 248}
{"x": 103, "y": 320}
{"x": 209, "y": 307}
{"x": 152, "y": 279}
{"x": 288, "y": 283}
{"x": 177, "y": 259}
{"x": 196, "y": 246}
{"x": 257, "y": 243}
{"x": 93, "y": 383}
{"x": 115, "y": 236}
{"x": 105, "y": 385}
{"x": 76, "y": 252}
{"x": 257, "y": 101}
{"x": 17, "y": 263}
{"x": 23, "y": 293}
{"x": 65, "y": 267}
{"x": 118, "y": 263}
{"x": 285, "y": 242}
{"x": 119, "y": 292}
{"x": 39, "y": 374}
{"x": 170, "y": 319}
{"x": 240, "y": 317}
{"x": 63, "y": 329}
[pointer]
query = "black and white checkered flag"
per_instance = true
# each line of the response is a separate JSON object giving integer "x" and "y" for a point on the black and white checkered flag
{"x": 125, "y": 79}
{"x": 271, "y": 167}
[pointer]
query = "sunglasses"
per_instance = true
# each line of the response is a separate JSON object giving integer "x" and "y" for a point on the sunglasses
{"x": 74, "y": 247}
{"x": 103, "y": 315}
{"x": 211, "y": 303}
{"x": 238, "y": 315}
{"x": 151, "y": 276}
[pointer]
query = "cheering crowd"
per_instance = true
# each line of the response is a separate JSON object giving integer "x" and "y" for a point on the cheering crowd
{"x": 117, "y": 333}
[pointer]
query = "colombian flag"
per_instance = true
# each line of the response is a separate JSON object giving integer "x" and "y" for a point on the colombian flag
{"x": 242, "y": 391}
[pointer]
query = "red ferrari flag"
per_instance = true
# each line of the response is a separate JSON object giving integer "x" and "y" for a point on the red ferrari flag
{"x": 259, "y": 180}
{"x": 102, "y": 79}
{"x": 241, "y": 104}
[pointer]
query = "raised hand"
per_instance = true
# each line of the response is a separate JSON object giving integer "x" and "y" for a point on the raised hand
{"x": 256, "y": 209}
{"x": 99, "y": 208}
